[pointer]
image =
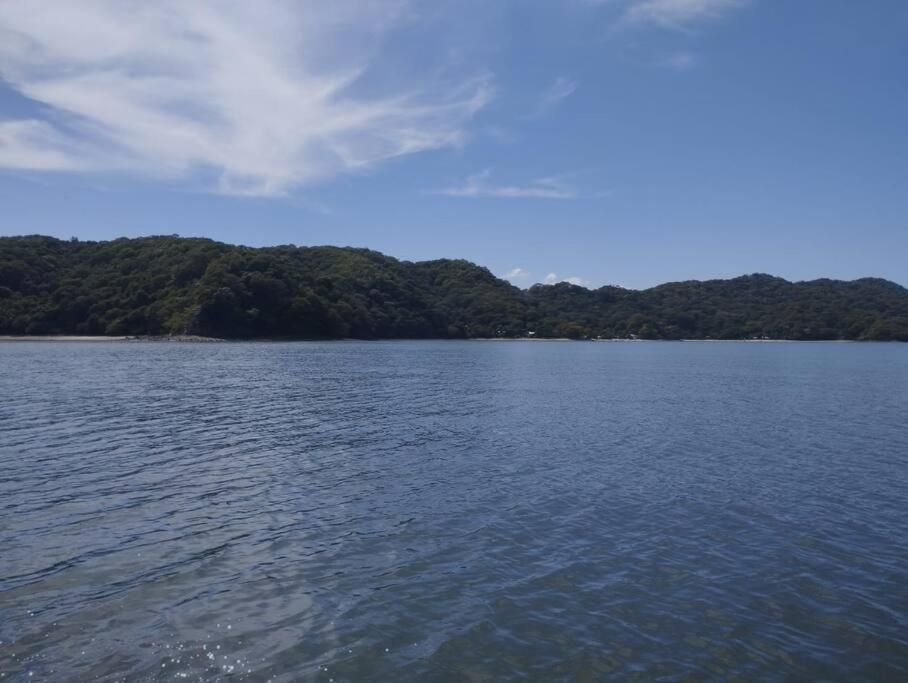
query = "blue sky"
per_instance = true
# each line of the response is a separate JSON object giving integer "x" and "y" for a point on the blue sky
{"x": 626, "y": 142}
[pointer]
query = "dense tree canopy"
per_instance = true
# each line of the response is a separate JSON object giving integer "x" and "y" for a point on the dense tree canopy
{"x": 173, "y": 285}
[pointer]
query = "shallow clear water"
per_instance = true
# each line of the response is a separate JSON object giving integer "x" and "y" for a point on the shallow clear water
{"x": 453, "y": 511}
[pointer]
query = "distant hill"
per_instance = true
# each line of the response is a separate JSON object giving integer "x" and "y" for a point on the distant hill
{"x": 174, "y": 285}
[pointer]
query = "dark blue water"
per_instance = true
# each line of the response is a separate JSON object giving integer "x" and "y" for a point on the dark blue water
{"x": 453, "y": 511}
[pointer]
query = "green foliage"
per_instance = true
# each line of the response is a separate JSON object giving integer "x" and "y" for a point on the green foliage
{"x": 173, "y": 285}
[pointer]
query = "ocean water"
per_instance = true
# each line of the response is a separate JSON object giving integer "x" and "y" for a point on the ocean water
{"x": 463, "y": 511}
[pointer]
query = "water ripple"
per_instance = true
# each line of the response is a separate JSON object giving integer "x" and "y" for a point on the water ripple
{"x": 453, "y": 511}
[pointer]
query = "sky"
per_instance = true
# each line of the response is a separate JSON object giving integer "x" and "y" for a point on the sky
{"x": 625, "y": 142}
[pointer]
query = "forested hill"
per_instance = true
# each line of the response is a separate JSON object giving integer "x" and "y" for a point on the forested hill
{"x": 173, "y": 285}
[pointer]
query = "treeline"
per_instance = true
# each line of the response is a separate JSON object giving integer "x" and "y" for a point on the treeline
{"x": 173, "y": 285}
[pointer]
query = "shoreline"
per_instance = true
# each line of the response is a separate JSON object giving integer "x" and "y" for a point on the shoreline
{"x": 193, "y": 339}
{"x": 106, "y": 339}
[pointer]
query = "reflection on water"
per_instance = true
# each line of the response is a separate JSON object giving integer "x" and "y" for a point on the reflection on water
{"x": 453, "y": 511}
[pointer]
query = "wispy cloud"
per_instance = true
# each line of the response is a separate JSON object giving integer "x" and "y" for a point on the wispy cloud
{"x": 259, "y": 98}
{"x": 679, "y": 60}
{"x": 560, "y": 89}
{"x": 676, "y": 13}
{"x": 552, "y": 279}
{"x": 479, "y": 185}
{"x": 38, "y": 146}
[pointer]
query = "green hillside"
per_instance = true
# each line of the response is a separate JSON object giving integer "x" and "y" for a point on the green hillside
{"x": 174, "y": 285}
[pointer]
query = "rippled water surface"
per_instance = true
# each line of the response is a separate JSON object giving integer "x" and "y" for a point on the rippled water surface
{"x": 453, "y": 511}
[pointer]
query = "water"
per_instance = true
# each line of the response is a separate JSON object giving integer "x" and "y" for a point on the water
{"x": 453, "y": 511}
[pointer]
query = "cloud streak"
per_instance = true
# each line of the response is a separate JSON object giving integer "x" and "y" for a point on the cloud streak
{"x": 479, "y": 185}
{"x": 559, "y": 90}
{"x": 255, "y": 99}
{"x": 676, "y": 13}
{"x": 679, "y": 60}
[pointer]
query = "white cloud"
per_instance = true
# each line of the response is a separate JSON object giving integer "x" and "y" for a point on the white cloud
{"x": 552, "y": 279}
{"x": 478, "y": 185}
{"x": 676, "y": 13}
{"x": 37, "y": 146}
{"x": 262, "y": 97}
{"x": 516, "y": 274}
{"x": 559, "y": 90}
